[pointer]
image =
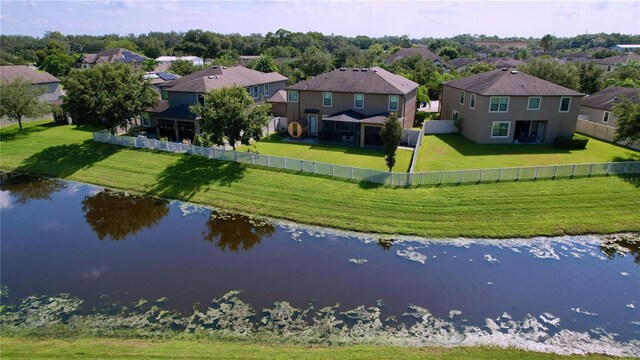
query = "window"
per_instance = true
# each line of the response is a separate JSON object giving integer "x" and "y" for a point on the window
{"x": 472, "y": 103}
{"x": 534, "y": 103}
{"x": 358, "y": 101}
{"x": 499, "y": 104}
{"x": 461, "y": 97}
{"x": 145, "y": 119}
{"x": 165, "y": 94}
{"x": 565, "y": 103}
{"x": 201, "y": 99}
{"x": 266, "y": 90}
{"x": 608, "y": 68}
{"x": 293, "y": 96}
{"x": 455, "y": 115}
{"x": 605, "y": 117}
{"x": 500, "y": 129}
{"x": 393, "y": 102}
{"x": 255, "y": 92}
{"x": 249, "y": 91}
{"x": 327, "y": 99}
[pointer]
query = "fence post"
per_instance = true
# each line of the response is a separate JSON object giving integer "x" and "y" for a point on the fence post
{"x": 155, "y": 144}
{"x": 518, "y": 176}
{"x": 268, "y": 161}
{"x": 609, "y": 169}
{"x": 235, "y": 156}
{"x": 314, "y": 167}
{"x": 421, "y": 179}
{"x": 555, "y": 170}
{"x": 409, "y": 178}
{"x": 333, "y": 170}
{"x": 253, "y": 160}
{"x": 352, "y": 172}
{"x": 392, "y": 178}
{"x": 440, "y": 183}
{"x": 626, "y": 167}
{"x": 499, "y": 174}
{"x": 573, "y": 169}
{"x": 481, "y": 172}
{"x": 285, "y": 162}
{"x": 371, "y": 175}
{"x": 459, "y": 176}
{"x": 302, "y": 165}
{"x": 590, "y": 169}
{"x": 535, "y": 175}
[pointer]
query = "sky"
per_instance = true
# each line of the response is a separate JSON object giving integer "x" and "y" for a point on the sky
{"x": 350, "y": 18}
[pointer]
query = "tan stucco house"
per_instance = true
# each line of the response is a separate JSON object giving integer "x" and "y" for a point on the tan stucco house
{"x": 349, "y": 105}
{"x": 507, "y": 106}
{"x": 597, "y": 106}
{"x": 111, "y": 56}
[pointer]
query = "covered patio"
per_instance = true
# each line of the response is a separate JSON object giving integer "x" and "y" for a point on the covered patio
{"x": 351, "y": 127}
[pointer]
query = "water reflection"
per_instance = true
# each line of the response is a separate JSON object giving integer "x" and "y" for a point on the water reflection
{"x": 235, "y": 232}
{"x": 118, "y": 214}
{"x": 622, "y": 244}
{"x": 26, "y": 188}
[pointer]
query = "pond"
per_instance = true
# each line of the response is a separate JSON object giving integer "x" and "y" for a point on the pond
{"x": 570, "y": 294}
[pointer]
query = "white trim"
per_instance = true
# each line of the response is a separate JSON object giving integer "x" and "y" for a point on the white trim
{"x": 606, "y": 115}
{"x": 454, "y": 113}
{"x": 309, "y": 120}
{"x": 493, "y": 123}
{"x": 499, "y": 97}
{"x": 330, "y": 99}
{"x": 539, "y": 102}
{"x": 354, "y": 101}
{"x": 397, "y": 103}
{"x": 265, "y": 89}
{"x": 473, "y": 101}
{"x": 289, "y": 92}
{"x": 462, "y": 97}
{"x": 568, "y": 108}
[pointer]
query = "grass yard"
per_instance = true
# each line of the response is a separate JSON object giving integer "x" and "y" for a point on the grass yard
{"x": 509, "y": 209}
{"x": 30, "y": 348}
{"x": 454, "y": 152}
{"x": 332, "y": 154}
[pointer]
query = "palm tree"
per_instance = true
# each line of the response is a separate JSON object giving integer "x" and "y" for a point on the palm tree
{"x": 265, "y": 64}
{"x": 149, "y": 64}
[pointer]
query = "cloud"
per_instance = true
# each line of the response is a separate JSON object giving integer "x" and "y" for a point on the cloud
{"x": 121, "y": 4}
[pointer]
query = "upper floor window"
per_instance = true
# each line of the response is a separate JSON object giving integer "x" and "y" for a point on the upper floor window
{"x": 292, "y": 96}
{"x": 165, "y": 94}
{"x": 201, "y": 99}
{"x": 358, "y": 101}
{"x": 605, "y": 117}
{"x": 565, "y": 103}
{"x": 393, "y": 102}
{"x": 534, "y": 103}
{"x": 472, "y": 103}
{"x": 266, "y": 90}
{"x": 461, "y": 97}
{"x": 499, "y": 104}
{"x": 327, "y": 99}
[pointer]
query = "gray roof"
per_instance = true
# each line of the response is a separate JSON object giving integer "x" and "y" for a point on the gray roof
{"x": 460, "y": 62}
{"x": 618, "y": 59}
{"x": 279, "y": 97}
{"x": 510, "y": 83}
{"x": 112, "y": 55}
{"x": 606, "y": 98}
{"x": 504, "y": 62}
{"x": 218, "y": 77}
{"x": 353, "y": 116}
{"x": 424, "y": 52}
{"x": 11, "y": 72}
{"x": 356, "y": 80}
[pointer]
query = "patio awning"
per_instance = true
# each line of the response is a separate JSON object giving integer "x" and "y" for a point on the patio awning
{"x": 356, "y": 117}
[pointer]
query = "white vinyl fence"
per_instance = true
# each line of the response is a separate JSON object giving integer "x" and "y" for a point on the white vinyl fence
{"x": 376, "y": 176}
{"x": 416, "y": 150}
{"x": 600, "y": 131}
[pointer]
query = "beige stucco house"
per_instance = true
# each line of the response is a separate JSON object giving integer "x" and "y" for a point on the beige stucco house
{"x": 350, "y": 104}
{"x": 597, "y": 106}
{"x": 506, "y": 106}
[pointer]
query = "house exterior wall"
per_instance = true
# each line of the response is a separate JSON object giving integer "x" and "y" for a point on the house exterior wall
{"x": 596, "y": 115}
{"x": 53, "y": 92}
{"x": 373, "y": 104}
{"x": 477, "y": 123}
{"x": 279, "y": 109}
{"x": 273, "y": 88}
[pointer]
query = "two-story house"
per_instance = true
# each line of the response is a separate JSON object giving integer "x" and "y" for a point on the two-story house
{"x": 350, "y": 104}
{"x": 423, "y": 52}
{"x": 111, "y": 56}
{"x": 53, "y": 90}
{"x": 171, "y": 117}
{"x": 597, "y": 106}
{"x": 506, "y": 106}
{"x": 610, "y": 63}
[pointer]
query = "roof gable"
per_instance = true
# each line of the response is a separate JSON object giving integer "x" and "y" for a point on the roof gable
{"x": 355, "y": 80}
{"x": 218, "y": 77}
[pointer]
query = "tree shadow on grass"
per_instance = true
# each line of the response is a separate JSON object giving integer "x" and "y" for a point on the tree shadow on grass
{"x": 467, "y": 147}
{"x": 65, "y": 160}
{"x": 631, "y": 157}
{"x": 14, "y": 133}
{"x": 633, "y": 179}
{"x": 184, "y": 178}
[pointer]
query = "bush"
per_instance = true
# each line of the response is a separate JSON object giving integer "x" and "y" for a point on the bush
{"x": 575, "y": 142}
{"x": 420, "y": 118}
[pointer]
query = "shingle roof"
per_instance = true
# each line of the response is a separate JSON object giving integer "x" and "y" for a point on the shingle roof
{"x": 218, "y": 77}
{"x": 11, "y": 72}
{"x": 618, "y": 59}
{"x": 460, "y": 62}
{"x": 112, "y": 55}
{"x": 355, "y": 80}
{"x": 504, "y": 62}
{"x": 510, "y": 83}
{"x": 279, "y": 97}
{"x": 353, "y": 116}
{"x": 606, "y": 98}
{"x": 424, "y": 52}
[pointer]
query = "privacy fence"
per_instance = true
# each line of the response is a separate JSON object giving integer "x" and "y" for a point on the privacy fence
{"x": 600, "y": 131}
{"x": 376, "y": 176}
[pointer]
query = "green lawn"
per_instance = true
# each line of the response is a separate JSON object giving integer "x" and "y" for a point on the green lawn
{"x": 332, "y": 154}
{"x": 454, "y": 152}
{"x": 30, "y": 348}
{"x": 509, "y": 209}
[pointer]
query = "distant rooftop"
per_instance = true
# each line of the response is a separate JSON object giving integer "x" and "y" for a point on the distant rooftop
{"x": 606, "y": 98}
{"x": 11, "y": 72}
{"x": 218, "y": 77}
{"x": 358, "y": 80}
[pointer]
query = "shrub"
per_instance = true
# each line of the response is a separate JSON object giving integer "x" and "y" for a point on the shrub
{"x": 575, "y": 142}
{"x": 421, "y": 116}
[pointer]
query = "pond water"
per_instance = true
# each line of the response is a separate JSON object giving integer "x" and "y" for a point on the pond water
{"x": 564, "y": 294}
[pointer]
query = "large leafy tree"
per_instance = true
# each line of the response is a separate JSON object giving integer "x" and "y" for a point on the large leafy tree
{"x": 183, "y": 67}
{"x": 626, "y": 75}
{"x": 108, "y": 95}
{"x": 546, "y": 42}
{"x": 230, "y": 114}
{"x": 55, "y": 60}
{"x": 564, "y": 75}
{"x": 391, "y": 134}
{"x": 590, "y": 77}
{"x": 19, "y": 100}
{"x": 315, "y": 62}
{"x": 122, "y": 43}
{"x": 628, "y": 123}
